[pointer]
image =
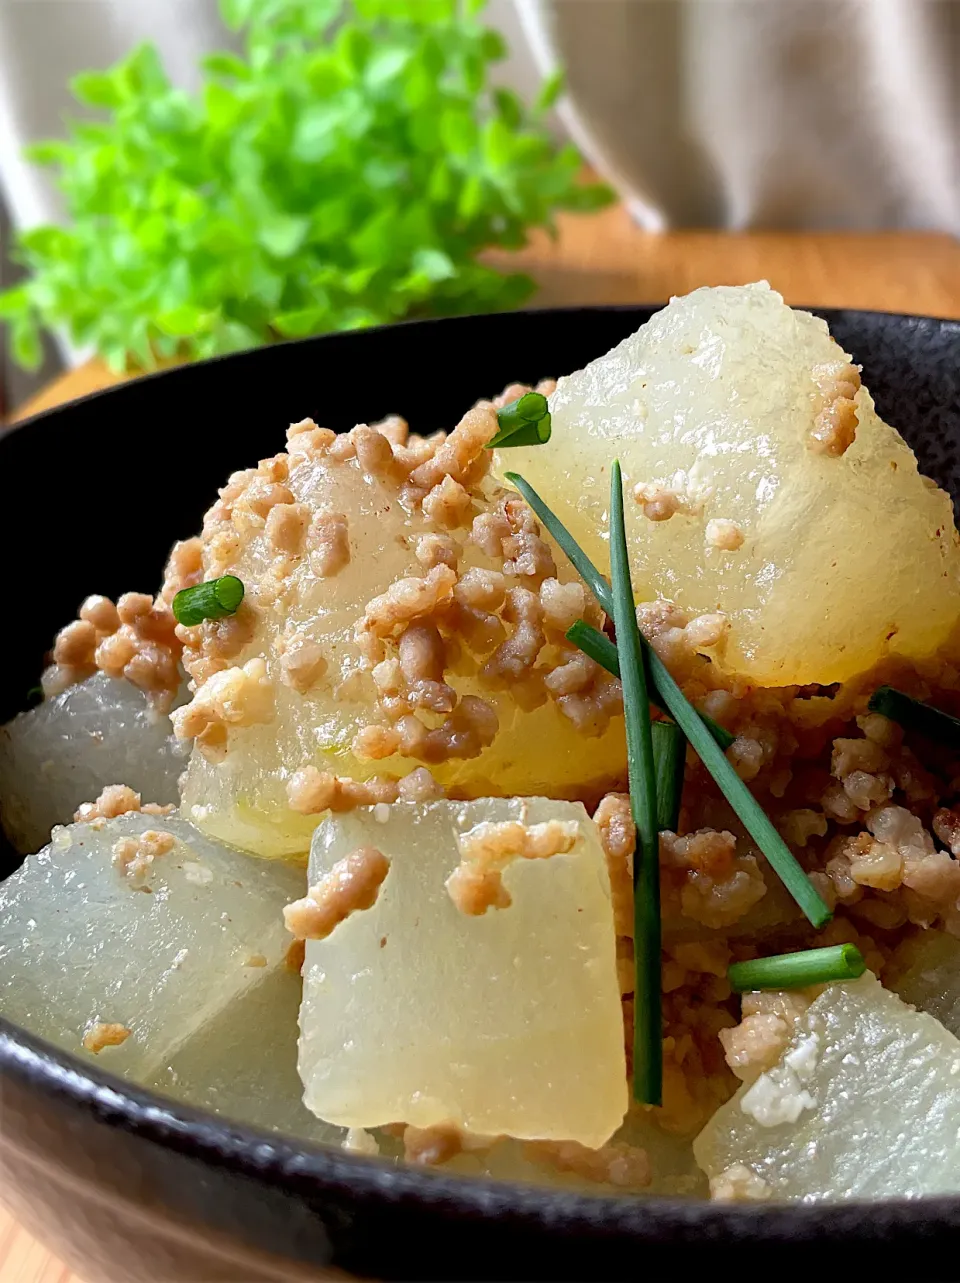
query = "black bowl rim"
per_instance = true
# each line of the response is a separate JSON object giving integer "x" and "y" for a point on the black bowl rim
{"x": 308, "y": 1168}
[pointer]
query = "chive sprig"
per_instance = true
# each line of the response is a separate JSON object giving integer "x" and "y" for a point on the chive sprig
{"x": 750, "y": 813}
{"x": 647, "y": 1020}
{"x": 525, "y": 421}
{"x": 798, "y": 970}
{"x": 214, "y": 599}
{"x": 913, "y": 715}
{"x": 669, "y": 752}
{"x": 603, "y": 651}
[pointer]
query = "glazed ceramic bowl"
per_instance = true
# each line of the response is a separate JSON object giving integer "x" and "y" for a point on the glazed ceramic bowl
{"x": 127, "y": 1186}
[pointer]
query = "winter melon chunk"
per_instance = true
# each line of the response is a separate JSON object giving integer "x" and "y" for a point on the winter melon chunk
{"x": 63, "y": 752}
{"x": 131, "y": 958}
{"x": 864, "y": 1103}
{"x": 925, "y": 971}
{"x": 507, "y": 1022}
{"x": 823, "y": 562}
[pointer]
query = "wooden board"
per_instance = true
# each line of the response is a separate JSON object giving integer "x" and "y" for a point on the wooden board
{"x": 606, "y": 259}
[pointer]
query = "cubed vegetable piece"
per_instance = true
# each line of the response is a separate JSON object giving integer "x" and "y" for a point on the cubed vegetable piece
{"x": 316, "y": 716}
{"x": 64, "y": 751}
{"x": 733, "y": 411}
{"x": 865, "y": 1103}
{"x": 925, "y": 971}
{"x": 88, "y": 950}
{"x": 243, "y": 1063}
{"x": 505, "y": 1022}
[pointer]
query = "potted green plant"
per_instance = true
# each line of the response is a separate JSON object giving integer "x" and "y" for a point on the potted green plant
{"x": 346, "y": 169}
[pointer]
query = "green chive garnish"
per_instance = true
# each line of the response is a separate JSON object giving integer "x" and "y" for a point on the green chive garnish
{"x": 603, "y": 652}
{"x": 798, "y": 970}
{"x": 213, "y": 600}
{"x": 690, "y": 722}
{"x": 669, "y": 752}
{"x": 647, "y": 1020}
{"x": 913, "y": 715}
{"x": 525, "y": 421}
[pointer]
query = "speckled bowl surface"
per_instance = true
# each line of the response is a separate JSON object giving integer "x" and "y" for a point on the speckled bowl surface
{"x": 128, "y": 1187}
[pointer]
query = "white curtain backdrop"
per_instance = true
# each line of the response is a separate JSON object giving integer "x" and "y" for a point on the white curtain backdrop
{"x": 730, "y": 113}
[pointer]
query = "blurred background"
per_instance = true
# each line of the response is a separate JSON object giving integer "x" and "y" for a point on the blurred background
{"x": 812, "y": 115}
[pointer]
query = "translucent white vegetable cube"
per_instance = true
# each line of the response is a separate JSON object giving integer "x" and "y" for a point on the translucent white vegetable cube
{"x": 925, "y": 971}
{"x": 507, "y": 1022}
{"x": 243, "y": 1063}
{"x": 86, "y": 948}
{"x": 64, "y": 751}
{"x": 717, "y": 405}
{"x": 864, "y": 1103}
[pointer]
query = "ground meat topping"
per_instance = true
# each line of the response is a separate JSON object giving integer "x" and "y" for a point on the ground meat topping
{"x": 723, "y": 534}
{"x": 116, "y": 800}
{"x": 404, "y": 601}
{"x": 710, "y": 882}
{"x": 358, "y": 1141}
{"x": 420, "y": 786}
{"x": 302, "y": 662}
{"x": 661, "y": 502}
{"x": 755, "y": 1044}
{"x": 618, "y": 836}
{"x": 476, "y": 885}
{"x": 351, "y": 886}
{"x": 312, "y": 791}
{"x": 462, "y": 450}
{"x": 515, "y": 657}
{"x": 135, "y": 639}
{"x": 286, "y": 528}
{"x": 835, "y": 426}
{"x": 448, "y": 504}
{"x": 563, "y": 604}
{"x": 100, "y": 1035}
{"x": 236, "y": 697}
{"x": 624, "y": 1166}
{"x": 465, "y": 733}
{"x": 431, "y": 1146}
{"x": 437, "y": 550}
{"x": 133, "y": 857}
{"x": 328, "y": 543}
{"x": 738, "y": 1184}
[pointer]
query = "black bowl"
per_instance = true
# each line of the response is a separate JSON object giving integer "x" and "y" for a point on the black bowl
{"x": 127, "y": 1186}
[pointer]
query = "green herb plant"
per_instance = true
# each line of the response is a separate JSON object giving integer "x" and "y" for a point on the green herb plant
{"x": 346, "y": 170}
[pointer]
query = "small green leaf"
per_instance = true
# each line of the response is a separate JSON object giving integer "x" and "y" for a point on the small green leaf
{"x": 223, "y": 107}
{"x": 45, "y": 241}
{"x": 14, "y": 302}
{"x": 459, "y": 132}
{"x": 226, "y": 64}
{"x": 296, "y": 325}
{"x": 49, "y": 153}
{"x": 434, "y": 264}
{"x": 386, "y": 65}
{"x": 282, "y": 236}
{"x": 551, "y": 90}
{"x": 25, "y": 343}
{"x": 498, "y": 143}
{"x": 493, "y": 47}
{"x": 183, "y": 321}
{"x": 98, "y": 89}
{"x": 509, "y": 107}
{"x": 471, "y": 197}
{"x": 237, "y": 13}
